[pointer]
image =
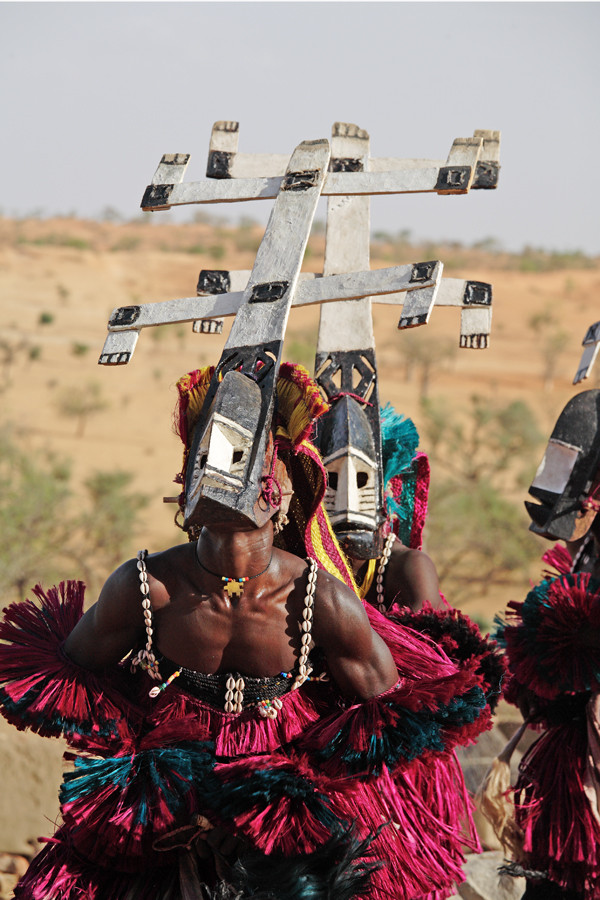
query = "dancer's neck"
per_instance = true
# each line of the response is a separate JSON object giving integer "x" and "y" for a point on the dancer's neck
{"x": 236, "y": 553}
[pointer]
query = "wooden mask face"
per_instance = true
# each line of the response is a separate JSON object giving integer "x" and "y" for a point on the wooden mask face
{"x": 568, "y": 474}
{"x": 228, "y": 458}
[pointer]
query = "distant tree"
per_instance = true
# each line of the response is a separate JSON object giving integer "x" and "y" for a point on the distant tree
{"x": 552, "y": 342}
{"x": 80, "y": 402}
{"x": 34, "y": 494}
{"x": 423, "y": 357}
{"x": 114, "y": 513}
{"x": 482, "y": 460}
{"x": 46, "y": 535}
{"x": 111, "y": 214}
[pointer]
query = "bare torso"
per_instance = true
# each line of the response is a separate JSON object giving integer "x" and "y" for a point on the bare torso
{"x": 197, "y": 625}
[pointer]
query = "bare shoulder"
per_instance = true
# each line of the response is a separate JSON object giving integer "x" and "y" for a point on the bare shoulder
{"x": 406, "y": 561}
{"x": 338, "y": 611}
{"x": 413, "y": 575}
{"x": 359, "y": 660}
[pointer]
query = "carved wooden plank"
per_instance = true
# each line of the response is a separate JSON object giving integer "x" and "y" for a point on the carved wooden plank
{"x": 210, "y": 307}
{"x": 473, "y": 297}
{"x": 171, "y": 168}
{"x": 266, "y": 299}
{"x": 252, "y": 353}
{"x": 345, "y": 366}
{"x": 475, "y": 301}
{"x": 417, "y": 308}
{"x": 456, "y": 177}
{"x": 347, "y": 246}
{"x": 268, "y": 296}
{"x": 224, "y": 161}
{"x": 223, "y": 148}
{"x": 591, "y": 344}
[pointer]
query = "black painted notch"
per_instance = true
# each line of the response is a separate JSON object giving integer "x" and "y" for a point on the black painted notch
{"x": 175, "y": 159}
{"x": 156, "y": 196}
{"x": 268, "y": 292}
{"x": 477, "y": 293}
{"x": 300, "y": 181}
{"x": 256, "y": 361}
{"x": 486, "y": 175}
{"x": 349, "y": 363}
{"x": 115, "y": 359}
{"x": 213, "y": 281}
{"x": 413, "y": 321}
{"x": 453, "y": 178}
{"x": 125, "y": 315}
{"x": 422, "y": 272}
{"x": 219, "y": 164}
{"x": 346, "y": 164}
{"x": 209, "y": 326}
{"x": 592, "y": 335}
{"x": 474, "y": 341}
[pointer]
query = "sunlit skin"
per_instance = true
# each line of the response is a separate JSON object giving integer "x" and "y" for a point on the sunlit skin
{"x": 198, "y": 626}
{"x": 410, "y": 579}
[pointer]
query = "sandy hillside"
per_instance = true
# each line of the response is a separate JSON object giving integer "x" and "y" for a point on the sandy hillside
{"x": 60, "y": 280}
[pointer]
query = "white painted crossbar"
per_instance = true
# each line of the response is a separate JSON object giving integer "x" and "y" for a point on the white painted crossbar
{"x": 591, "y": 344}
{"x": 224, "y": 160}
{"x": 126, "y": 322}
{"x": 474, "y": 298}
{"x": 455, "y": 176}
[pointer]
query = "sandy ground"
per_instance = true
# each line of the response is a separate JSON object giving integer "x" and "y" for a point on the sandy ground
{"x": 75, "y": 273}
{"x": 79, "y": 287}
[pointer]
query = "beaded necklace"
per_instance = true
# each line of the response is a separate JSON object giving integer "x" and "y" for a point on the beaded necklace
{"x": 235, "y": 684}
{"x": 233, "y": 586}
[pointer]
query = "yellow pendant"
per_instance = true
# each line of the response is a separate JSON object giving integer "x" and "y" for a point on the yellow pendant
{"x": 234, "y": 588}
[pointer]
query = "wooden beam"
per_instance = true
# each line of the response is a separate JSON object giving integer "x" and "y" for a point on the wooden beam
{"x": 129, "y": 320}
{"x": 590, "y": 344}
{"x": 224, "y": 160}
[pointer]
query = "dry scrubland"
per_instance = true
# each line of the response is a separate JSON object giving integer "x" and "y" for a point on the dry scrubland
{"x": 60, "y": 280}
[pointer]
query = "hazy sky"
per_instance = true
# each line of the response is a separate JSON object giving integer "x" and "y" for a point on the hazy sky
{"x": 94, "y": 93}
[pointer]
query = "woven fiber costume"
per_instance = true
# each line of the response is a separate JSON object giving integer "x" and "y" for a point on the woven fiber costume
{"x": 405, "y": 480}
{"x": 327, "y": 798}
{"x": 552, "y": 642}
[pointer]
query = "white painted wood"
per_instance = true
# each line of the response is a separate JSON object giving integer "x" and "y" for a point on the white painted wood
{"x": 475, "y": 327}
{"x": 234, "y": 190}
{"x": 417, "y": 308}
{"x": 257, "y": 165}
{"x": 451, "y": 292}
{"x": 281, "y": 251}
{"x": 325, "y": 289}
{"x": 491, "y": 145}
{"x": 171, "y": 168}
{"x": 354, "y": 285}
{"x": 475, "y": 321}
{"x": 238, "y": 279}
{"x": 224, "y": 137}
{"x": 347, "y": 247}
{"x": 465, "y": 152}
{"x": 118, "y": 348}
{"x": 591, "y": 345}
